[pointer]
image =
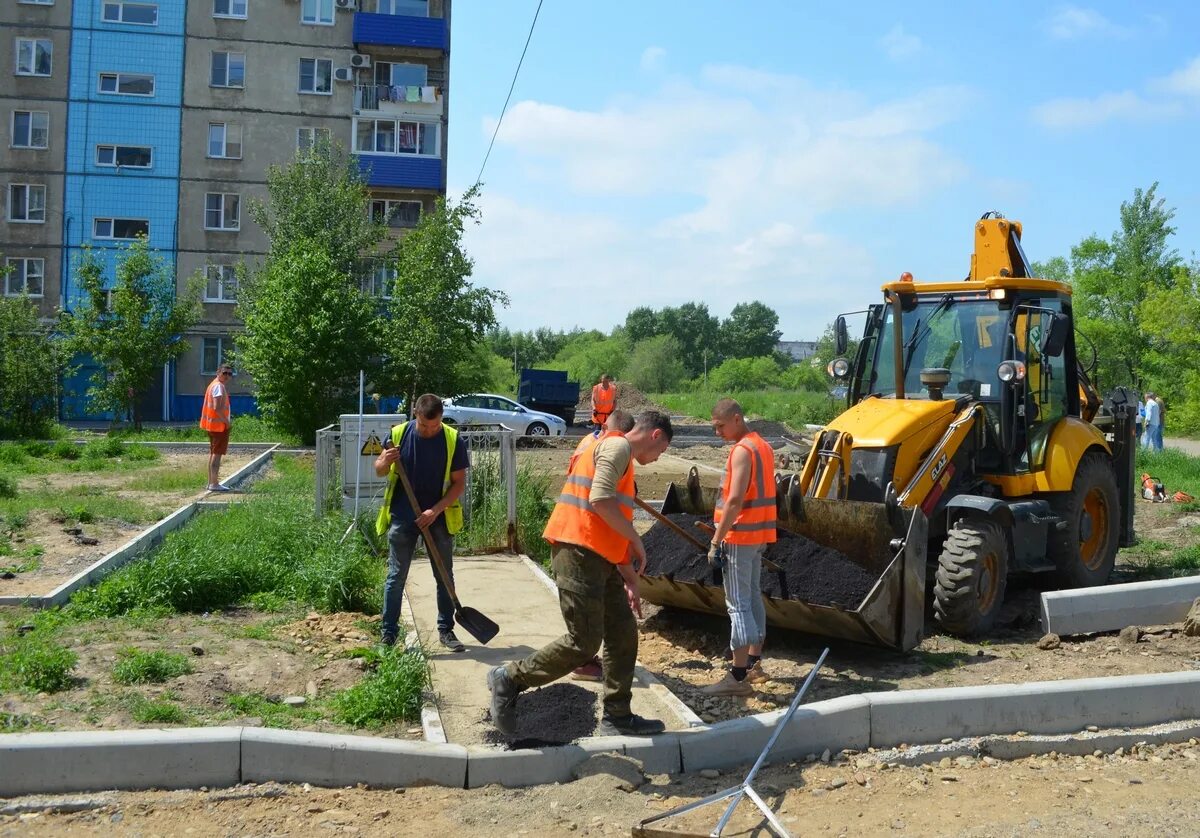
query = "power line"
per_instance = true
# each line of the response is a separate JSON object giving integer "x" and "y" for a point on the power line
{"x": 504, "y": 109}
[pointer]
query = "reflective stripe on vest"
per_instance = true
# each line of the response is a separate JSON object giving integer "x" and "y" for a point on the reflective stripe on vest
{"x": 574, "y": 520}
{"x": 210, "y": 418}
{"x": 603, "y": 400}
{"x": 453, "y": 513}
{"x": 755, "y": 524}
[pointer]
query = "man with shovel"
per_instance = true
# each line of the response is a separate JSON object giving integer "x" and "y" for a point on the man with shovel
{"x": 435, "y": 461}
{"x": 597, "y": 558}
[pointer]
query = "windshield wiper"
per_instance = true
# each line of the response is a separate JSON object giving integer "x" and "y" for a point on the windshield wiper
{"x": 919, "y": 333}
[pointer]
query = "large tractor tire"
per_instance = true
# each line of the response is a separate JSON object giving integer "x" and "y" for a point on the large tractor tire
{"x": 1085, "y": 550}
{"x": 971, "y": 577}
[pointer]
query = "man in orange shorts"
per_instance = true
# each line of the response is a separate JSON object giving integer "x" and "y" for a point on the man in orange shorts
{"x": 215, "y": 418}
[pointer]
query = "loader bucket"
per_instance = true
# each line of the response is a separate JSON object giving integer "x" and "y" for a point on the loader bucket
{"x": 887, "y": 541}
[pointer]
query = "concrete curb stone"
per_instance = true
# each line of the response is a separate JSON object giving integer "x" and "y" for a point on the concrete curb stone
{"x": 1113, "y": 607}
{"x": 534, "y": 766}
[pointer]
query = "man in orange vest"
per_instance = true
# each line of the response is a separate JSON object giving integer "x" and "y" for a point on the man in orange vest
{"x": 604, "y": 401}
{"x": 216, "y": 420}
{"x": 597, "y": 558}
{"x": 745, "y": 519}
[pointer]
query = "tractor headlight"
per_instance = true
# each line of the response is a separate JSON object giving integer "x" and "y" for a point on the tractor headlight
{"x": 838, "y": 368}
{"x": 1011, "y": 371}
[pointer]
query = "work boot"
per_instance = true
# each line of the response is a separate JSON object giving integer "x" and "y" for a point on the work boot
{"x": 504, "y": 700}
{"x": 450, "y": 641}
{"x": 593, "y": 670}
{"x": 729, "y": 686}
{"x": 631, "y": 725}
{"x": 756, "y": 674}
{"x": 387, "y": 638}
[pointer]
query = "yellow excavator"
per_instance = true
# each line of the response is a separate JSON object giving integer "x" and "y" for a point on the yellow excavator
{"x": 973, "y": 446}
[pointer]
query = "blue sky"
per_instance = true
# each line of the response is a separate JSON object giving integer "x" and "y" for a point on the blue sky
{"x": 800, "y": 153}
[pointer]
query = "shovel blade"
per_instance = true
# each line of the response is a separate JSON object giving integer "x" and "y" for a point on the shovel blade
{"x": 476, "y": 624}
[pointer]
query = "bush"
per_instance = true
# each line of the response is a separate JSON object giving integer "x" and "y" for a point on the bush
{"x": 65, "y": 449}
{"x": 8, "y": 486}
{"x": 28, "y": 370}
{"x": 137, "y": 667}
{"x": 36, "y": 448}
{"x": 147, "y": 711}
{"x": 12, "y": 454}
{"x": 140, "y": 453}
{"x": 38, "y": 665}
{"x": 391, "y": 693}
{"x": 745, "y": 374}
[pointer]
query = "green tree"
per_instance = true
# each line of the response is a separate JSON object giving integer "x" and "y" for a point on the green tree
{"x": 745, "y": 374}
{"x": 29, "y": 368}
{"x": 697, "y": 333}
{"x": 1171, "y": 318}
{"x": 654, "y": 365}
{"x": 642, "y": 323}
{"x": 132, "y": 331}
{"x": 591, "y": 354}
{"x": 436, "y": 315}
{"x": 750, "y": 331}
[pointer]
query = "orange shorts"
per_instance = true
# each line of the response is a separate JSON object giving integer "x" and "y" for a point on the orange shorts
{"x": 218, "y": 442}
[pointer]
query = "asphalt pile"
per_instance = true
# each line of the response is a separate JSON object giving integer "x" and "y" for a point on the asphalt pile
{"x": 811, "y": 572}
{"x": 554, "y": 715}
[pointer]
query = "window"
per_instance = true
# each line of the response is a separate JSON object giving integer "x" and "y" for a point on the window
{"x": 213, "y": 353}
{"x": 229, "y": 8}
{"x": 222, "y": 211}
{"x": 127, "y": 84}
{"x": 228, "y": 69}
{"x": 396, "y": 213}
{"x": 317, "y": 12}
{"x": 306, "y": 138}
{"x": 27, "y": 203}
{"x": 25, "y": 276}
{"x": 34, "y": 57}
{"x": 402, "y": 75}
{"x": 222, "y": 284}
{"x": 132, "y": 156}
{"x": 378, "y": 282}
{"x": 225, "y": 140}
{"x": 316, "y": 75}
{"x": 120, "y": 11}
{"x": 386, "y": 136}
{"x": 30, "y": 129}
{"x": 36, "y": 2}
{"x": 120, "y": 228}
{"x": 412, "y": 8}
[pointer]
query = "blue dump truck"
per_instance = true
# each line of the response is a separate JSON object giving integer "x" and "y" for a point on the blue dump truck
{"x": 550, "y": 392}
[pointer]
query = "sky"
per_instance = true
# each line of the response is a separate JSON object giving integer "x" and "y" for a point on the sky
{"x": 802, "y": 154}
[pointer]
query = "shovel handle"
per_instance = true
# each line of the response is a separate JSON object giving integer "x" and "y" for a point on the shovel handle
{"x": 767, "y": 563}
{"x": 434, "y": 553}
{"x": 654, "y": 513}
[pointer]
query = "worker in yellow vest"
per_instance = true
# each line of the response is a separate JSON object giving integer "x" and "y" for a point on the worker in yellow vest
{"x": 597, "y": 557}
{"x": 745, "y": 519}
{"x": 216, "y": 419}
{"x": 604, "y": 401}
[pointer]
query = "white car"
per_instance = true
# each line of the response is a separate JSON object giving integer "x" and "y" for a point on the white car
{"x": 490, "y": 409}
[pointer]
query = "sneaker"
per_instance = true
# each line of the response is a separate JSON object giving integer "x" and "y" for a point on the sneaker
{"x": 219, "y": 488}
{"x": 387, "y": 639}
{"x": 631, "y": 725}
{"x": 504, "y": 700}
{"x": 593, "y": 670}
{"x": 729, "y": 686}
{"x": 447, "y": 639}
{"x": 757, "y": 675}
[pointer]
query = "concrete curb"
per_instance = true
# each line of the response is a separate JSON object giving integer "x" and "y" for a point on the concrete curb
{"x": 252, "y": 468}
{"x": 431, "y": 716}
{"x": 1113, "y": 607}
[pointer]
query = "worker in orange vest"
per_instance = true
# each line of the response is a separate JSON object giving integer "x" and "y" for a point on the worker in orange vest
{"x": 604, "y": 401}
{"x": 597, "y": 557}
{"x": 745, "y": 520}
{"x": 215, "y": 418}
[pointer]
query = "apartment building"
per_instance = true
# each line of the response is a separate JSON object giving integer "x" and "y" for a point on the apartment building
{"x": 163, "y": 118}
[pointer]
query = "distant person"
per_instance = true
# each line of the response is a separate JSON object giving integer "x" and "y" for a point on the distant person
{"x": 1162, "y": 419}
{"x": 745, "y": 519}
{"x": 604, "y": 401}
{"x": 1140, "y": 419}
{"x": 597, "y": 557}
{"x": 216, "y": 420}
{"x": 436, "y": 463}
{"x": 1152, "y": 433}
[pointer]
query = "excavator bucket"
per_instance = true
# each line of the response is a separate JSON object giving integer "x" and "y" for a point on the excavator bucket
{"x": 888, "y": 541}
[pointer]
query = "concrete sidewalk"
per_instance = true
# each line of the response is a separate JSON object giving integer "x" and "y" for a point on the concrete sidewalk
{"x": 1188, "y": 446}
{"x": 503, "y": 588}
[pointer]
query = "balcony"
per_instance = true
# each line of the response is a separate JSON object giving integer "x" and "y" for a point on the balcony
{"x": 398, "y": 100}
{"x": 400, "y": 31}
{"x": 401, "y": 171}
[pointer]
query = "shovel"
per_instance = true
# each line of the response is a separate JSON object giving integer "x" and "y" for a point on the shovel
{"x": 476, "y": 624}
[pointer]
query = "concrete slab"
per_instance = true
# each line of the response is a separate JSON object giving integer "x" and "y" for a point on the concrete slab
{"x": 52, "y": 763}
{"x": 533, "y": 766}
{"x": 325, "y": 759}
{"x": 1113, "y": 607}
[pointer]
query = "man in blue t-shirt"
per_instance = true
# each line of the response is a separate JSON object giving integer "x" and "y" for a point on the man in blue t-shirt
{"x": 422, "y": 450}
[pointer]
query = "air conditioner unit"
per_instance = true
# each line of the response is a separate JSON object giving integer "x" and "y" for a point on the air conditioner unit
{"x": 361, "y": 61}
{"x": 343, "y": 74}
{"x": 348, "y": 5}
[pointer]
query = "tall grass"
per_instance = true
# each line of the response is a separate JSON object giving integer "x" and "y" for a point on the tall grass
{"x": 245, "y": 429}
{"x": 795, "y": 408}
{"x": 1178, "y": 471}
{"x": 487, "y": 523}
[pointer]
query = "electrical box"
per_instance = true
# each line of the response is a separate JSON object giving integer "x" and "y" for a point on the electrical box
{"x": 359, "y": 450}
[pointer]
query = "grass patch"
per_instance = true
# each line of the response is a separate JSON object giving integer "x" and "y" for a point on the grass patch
{"x": 272, "y": 711}
{"x": 487, "y": 527}
{"x": 8, "y": 486}
{"x": 149, "y": 711}
{"x": 245, "y": 429}
{"x": 137, "y": 667}
{"x": 796, "y": 408}
{"x": 30, "y": 559}
{"x": 1187, "y": 560}
{"x": 171, "y": 480}
{"x": 391, "y": 693}
{"x": 37, "y": 664}
{"x": 21, "y": 723}
{"x": 1178, "y": 471}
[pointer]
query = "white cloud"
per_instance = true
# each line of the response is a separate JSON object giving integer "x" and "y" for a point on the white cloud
{"x": 1073, "y": 22}
{"x": 1184, "y": 81}
{"x": 899, "y": 45}
{"x": 653, "y": 58}
{"x": 1107, "y": 107}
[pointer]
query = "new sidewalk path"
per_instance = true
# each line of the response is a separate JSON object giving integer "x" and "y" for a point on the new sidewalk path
{"x": 1188, "y": 446}
{"x": 504, "y": 588}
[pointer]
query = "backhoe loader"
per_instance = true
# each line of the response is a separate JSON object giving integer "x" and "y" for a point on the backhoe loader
{"x": 973, "y": 446}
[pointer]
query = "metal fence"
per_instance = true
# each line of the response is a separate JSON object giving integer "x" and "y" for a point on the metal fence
{"x": 489, "y": 502}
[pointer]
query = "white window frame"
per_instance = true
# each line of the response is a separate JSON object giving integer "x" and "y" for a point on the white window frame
{"x": 26, "y": 261}
{"x": 378, "y": 279}
{"x": 232, "y": 14}
{"x": 316, "y": 66}
{"x": 222, "y": 209}
{"x": 29, "y": 192}
{"x": 32, "y": 44}
{"x": 306, "y": 136}
{"x": 390, "y": 205}
{"x": 120, "y": 5}
{"x": 228, "y": 60}
{"x": 124, "y": 78}
{"x": 12, "y": 125}
{"x": 116, "y": 147}
{"x": 112, "y": 228}
{"x": 221, "y": 352}
{"x": 225, "y": 276}
{"x": 317, "y": 19}
{"x": 226, "y": 129}
{"x": 384, "y": 7}
{"x": 437, "y": 137}
{"x": 36, "y": 2}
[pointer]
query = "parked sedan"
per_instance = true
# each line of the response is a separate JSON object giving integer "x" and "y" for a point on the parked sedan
{"x": 489, "y": 409}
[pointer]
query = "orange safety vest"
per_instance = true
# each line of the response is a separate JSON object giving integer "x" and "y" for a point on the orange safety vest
{"x": 585, "y": 445}
{"x": 755, "y": 524}
{"x": 574, "y": 522}
{"x": 210, "y": 419}
{"x": 603, "y": 402}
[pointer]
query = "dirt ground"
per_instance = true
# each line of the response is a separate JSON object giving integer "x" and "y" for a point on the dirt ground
{"x": 1149, "y": 792}
{"x": 64, "y": 554}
